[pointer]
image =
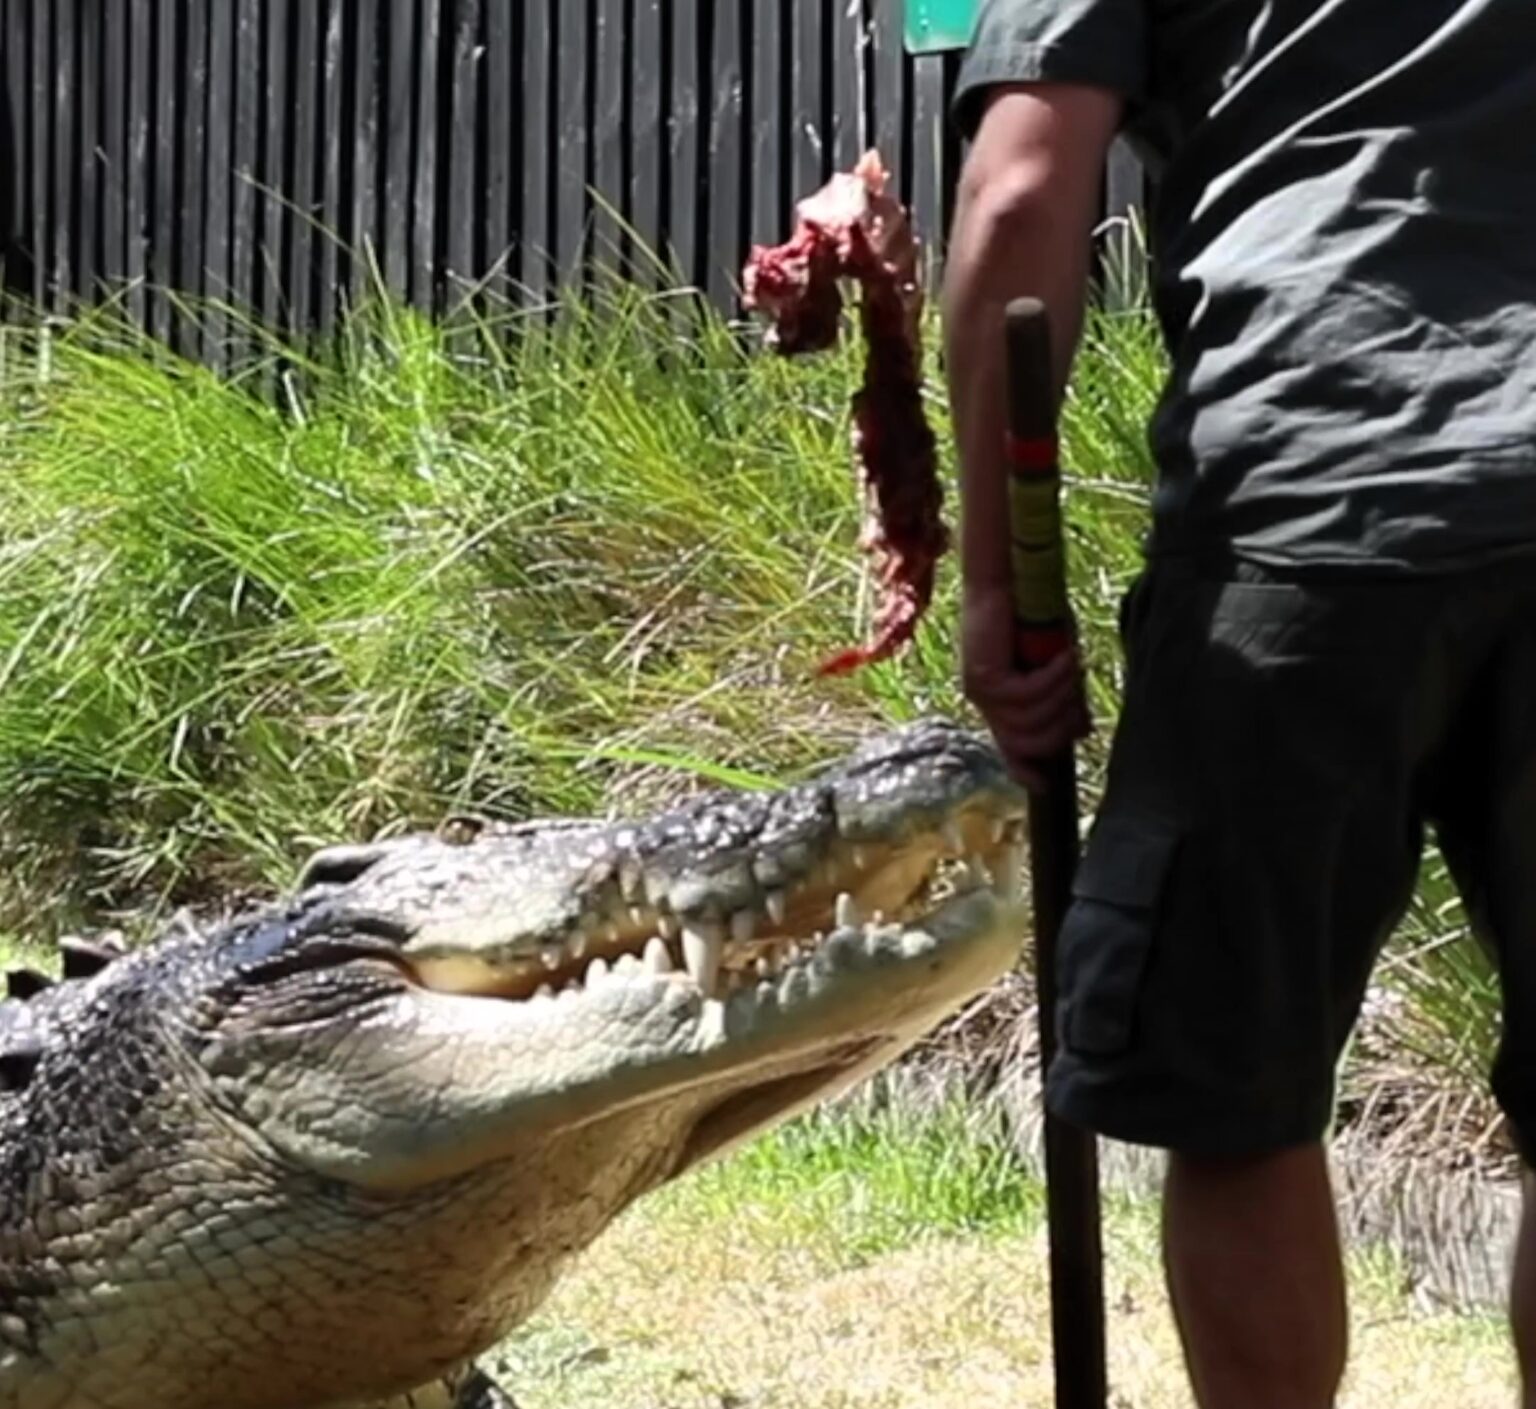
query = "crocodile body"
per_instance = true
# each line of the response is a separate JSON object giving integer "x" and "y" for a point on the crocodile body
{"x": 327, "y": 1153}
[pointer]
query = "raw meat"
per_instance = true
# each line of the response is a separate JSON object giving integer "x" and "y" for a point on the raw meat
{"x": 854, "y": 229}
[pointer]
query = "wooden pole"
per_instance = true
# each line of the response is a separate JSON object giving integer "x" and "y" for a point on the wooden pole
{"x": 1043, "y": 629}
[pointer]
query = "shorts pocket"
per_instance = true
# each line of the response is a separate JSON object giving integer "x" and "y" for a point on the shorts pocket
{"x": 1107, "y": 933}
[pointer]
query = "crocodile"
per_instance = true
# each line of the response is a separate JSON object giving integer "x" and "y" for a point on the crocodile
{"x": 331, "y": 1149}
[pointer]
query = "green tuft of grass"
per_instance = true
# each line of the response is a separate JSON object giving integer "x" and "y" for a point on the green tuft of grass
{"x": 555, "y": 563}
{"x": 725, "y": 1289}
{"x": 569, "y": 561}
{"x": 863, "y": 1185}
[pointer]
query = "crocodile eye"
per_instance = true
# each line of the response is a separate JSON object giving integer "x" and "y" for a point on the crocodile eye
{"x": 337, "y": 865}
{"x": 84, "y": 957}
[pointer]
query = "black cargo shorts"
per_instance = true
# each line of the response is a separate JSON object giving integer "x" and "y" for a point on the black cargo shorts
{"x": 1283, "y": 744}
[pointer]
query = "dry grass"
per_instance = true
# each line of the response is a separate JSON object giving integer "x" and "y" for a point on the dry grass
{"x": 677, "y": 1310}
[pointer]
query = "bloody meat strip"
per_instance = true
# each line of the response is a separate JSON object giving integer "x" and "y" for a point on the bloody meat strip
{"x": 853, "y": 229}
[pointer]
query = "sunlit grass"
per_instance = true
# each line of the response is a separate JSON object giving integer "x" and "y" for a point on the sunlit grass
{"x": 759, "y": 1283}
{"x": 515, "y": 564}
{"x": 524, "y": 566}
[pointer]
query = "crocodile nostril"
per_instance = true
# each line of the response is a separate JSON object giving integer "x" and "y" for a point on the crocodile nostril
{"x": 461, "y": 829}
{"x": 26, "y": 983}
{"x": 19, "y": 1055}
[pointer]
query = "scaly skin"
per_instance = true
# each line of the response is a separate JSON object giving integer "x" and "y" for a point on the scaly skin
{"x": 329, "y": 1153}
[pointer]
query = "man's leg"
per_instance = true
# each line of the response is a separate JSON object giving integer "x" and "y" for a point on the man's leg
{"x": 1254, "y": 1269}
{"x": 1257, "y": 840}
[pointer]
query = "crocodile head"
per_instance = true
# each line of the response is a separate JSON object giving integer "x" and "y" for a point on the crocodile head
{"x": 456, "y": 1057}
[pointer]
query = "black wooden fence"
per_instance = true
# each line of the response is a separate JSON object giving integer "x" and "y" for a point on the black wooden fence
{"x": 280, "y": 155}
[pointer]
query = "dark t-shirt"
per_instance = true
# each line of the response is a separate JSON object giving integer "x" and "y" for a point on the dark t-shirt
{"x": 1345, "y": 252}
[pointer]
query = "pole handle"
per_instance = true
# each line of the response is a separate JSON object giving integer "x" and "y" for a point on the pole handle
{"x": 1042, "y": 615}
{"x": 1042, "y": 629}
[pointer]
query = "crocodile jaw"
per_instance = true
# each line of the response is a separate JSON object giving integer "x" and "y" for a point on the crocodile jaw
{"x": 505, "y": 1074}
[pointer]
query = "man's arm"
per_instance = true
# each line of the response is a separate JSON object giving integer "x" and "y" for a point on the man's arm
{"x": 1029, "y": 196}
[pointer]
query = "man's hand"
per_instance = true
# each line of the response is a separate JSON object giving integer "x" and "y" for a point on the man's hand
{"x": 1029, "y": 197}
{"x": 1032, "y": 714}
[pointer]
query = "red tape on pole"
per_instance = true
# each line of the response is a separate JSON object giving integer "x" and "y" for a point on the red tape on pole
{"x": 1038, "y": 456}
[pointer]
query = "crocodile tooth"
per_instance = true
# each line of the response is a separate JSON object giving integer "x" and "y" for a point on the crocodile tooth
{"x": 847, "y": 912}
{"x": 597, "y": 972}
{"x": 712, "y": 1020}
{"x": 743, "y": 926}
{"x": 552, "y": 955}
{"x": 658, "y": 958}
{"x": 576, "y": 946}
{"x": 776, "y": 906}
{"x": 796, "y": 984}
{"x": 974, "y": 873}
{"x": 632, "y": 881}
{"x": 544, "y": 991}
{"x": 999, "y": 829}
{"x": 954, "y": 838}
{"x": 764, "y": 967}
{"x": 703, "y": 948}
{"x": 667, "y": 926}
{"x": 628, "y": 964}
{"x": 612, "y": 933}
{"x": 639, "y": 916}
{"x": 861, "y": 858}
{"x": 1008, "y": 879}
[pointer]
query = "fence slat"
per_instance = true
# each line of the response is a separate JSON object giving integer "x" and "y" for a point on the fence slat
{"x": 850, "y": 133}
{"x": 503, "y": 142}
{"x": 305, "y": 117}
{"x": 536, "y": 228}
{"x": 574, "y": 148}
{"x": 191, "y": 267}
{"x": 770, "y": 87}
{"x": 364, "y": 132}
{"x": 280, "y": 153}
{"x": 274, "y": 162}
{"x": 113, "y": 167}
{"x": 65, "y": 213}
{"x": 809, "y": 135}
{"x": 685, "y": 186}
{"x": 397, "y": 130}
{"x": 464, "y": 190}
{"x": 424, "y": 230}
{"x": 247, "y": 67}
{"x": 162, "y": 239}
{"x": 727, "y": 171}
{"x": 927, "y": 146}
{"x": 647, "y": 154}
{"x": 220, "y": 163}
{"x": 42, "y": 154}
{"x": 17, "y": 150}
{"x": 611, "y": 207}
{"x": 136, "y": 177}
{"x": 891, "y": 63}
{"x": 88, "y": 171}
{"x": 332, "y": 235}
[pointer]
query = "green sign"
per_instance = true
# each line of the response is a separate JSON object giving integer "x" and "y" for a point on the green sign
{"x": 933, "y": 25}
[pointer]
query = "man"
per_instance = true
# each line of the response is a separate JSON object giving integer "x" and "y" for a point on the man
{"x": 1334, "y": 640}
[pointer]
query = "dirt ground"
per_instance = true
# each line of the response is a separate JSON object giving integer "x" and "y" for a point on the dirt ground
{"x": 673, "y": 1313}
